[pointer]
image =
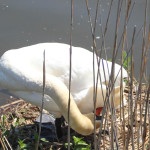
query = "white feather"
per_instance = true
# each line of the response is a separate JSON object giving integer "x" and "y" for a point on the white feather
{"x": 22, "y": 68}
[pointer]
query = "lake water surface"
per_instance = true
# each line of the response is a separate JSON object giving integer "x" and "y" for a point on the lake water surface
{"x": 27, "y": 22}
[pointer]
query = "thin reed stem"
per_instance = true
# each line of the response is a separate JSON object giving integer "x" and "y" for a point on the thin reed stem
{"x": 121, "y": 86}
{"x": 70, "y": 70}
{"x": 44, "y": 79}
{"x": 145, "y": 117}
{"x": 131, "y": 88}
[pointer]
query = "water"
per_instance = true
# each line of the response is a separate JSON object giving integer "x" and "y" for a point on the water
{"x": 34, "y": 21}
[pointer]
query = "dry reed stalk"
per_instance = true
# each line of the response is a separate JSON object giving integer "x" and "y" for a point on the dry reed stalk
{"x": 132, "y": 114}
{"x": 148, "y": 43}
{"x": 4, "y": 142}
{"x": 128, "y": 5}
{"x": 98, "y": 61}
{"x": 43, "y": 92}
{"x": 145, "y": 117}
{"x": 105, "y": 31}
{"x": 142, "y": 68}
{"x": 131, "y": 87}
{"x": 8, "y": 143}
{"x": 129, "y": 128}
{"x": 6, "y": 107}
{"x": 70, "y": 70}
{"x": 112, "y": 76}
{"x": 1, "y": 140}
{"x": 93, "y": 35}
{"x": 149, "y": 122}
{"x": 95, "y": 82}
{"x": 119, "y": 43}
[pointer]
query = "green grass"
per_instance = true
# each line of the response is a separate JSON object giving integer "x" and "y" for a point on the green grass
{"x": 78, "y": 144}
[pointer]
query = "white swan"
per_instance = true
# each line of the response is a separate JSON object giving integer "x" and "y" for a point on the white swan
{"x": 21, "y": 73}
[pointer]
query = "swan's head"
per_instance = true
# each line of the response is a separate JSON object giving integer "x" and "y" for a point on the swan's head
{"x": 91, "y": 116}
{"x": 84, "y": 124}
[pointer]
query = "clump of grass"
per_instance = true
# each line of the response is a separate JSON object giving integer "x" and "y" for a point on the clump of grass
{"x": 78, "y": 144}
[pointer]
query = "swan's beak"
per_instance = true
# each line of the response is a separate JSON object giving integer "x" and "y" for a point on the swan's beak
{"x": 98, "y": 111}
{"x": 98, "y": 117}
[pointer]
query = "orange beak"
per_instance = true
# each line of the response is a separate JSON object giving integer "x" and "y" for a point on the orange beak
{"x": 98, "y": 111}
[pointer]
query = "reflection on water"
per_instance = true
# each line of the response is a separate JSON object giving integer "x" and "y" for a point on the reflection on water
{"x": 34, "y": 21}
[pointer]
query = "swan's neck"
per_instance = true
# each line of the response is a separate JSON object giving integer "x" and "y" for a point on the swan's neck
{"x": 83, "y": 124}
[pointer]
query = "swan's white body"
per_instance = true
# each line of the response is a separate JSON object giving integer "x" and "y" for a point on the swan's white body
{"x": 21, "y": 72}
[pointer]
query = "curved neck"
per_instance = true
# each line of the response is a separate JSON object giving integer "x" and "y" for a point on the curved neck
{"x": 82, "y": 124}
